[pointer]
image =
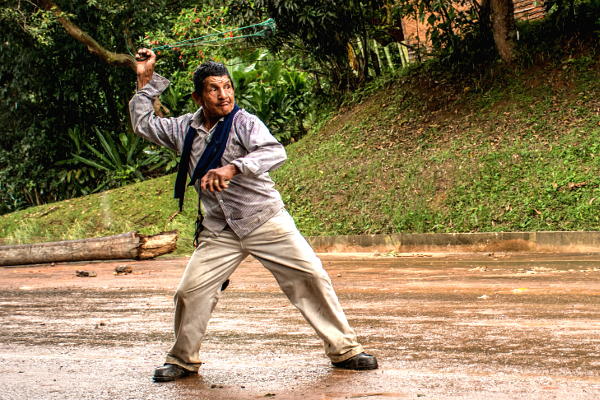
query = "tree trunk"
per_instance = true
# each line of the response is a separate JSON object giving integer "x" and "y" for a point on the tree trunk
{"x": 503, "y": 28}
{"x": 125, "y": 246}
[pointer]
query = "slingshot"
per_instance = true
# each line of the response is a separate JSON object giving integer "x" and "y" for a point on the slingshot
{"x": 261, "y": 29}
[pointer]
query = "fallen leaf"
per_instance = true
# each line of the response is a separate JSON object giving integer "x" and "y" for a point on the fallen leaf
{"x": 573, "y": 185}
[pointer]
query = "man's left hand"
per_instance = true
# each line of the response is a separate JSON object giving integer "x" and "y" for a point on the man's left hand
{"x": 217, "y": 180}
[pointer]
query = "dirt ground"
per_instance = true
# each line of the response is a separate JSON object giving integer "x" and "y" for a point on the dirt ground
{"x": 492, "y": 326}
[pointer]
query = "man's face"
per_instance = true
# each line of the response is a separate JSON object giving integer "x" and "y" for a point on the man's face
{"x": 217, "y": 97}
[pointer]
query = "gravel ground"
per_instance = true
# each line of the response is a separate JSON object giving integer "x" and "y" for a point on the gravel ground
{"x": 444, "y": 326}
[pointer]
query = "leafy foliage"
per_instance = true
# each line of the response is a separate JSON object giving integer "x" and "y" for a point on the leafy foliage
{"x": 419, "y": 155}
{"x": 579, "y": 28}
{"x": 122, "y": 159}
{"x": 324, "y": 33}
{"x": 572, "y": 16}
{"x": 459, "y": 32}
{"x": 279, "y": 97}
{"x": 426, "y": 156}
{"x": 50, "y": 84}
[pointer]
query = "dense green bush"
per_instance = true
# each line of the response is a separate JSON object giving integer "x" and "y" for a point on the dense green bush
{"x": 121, "y": 159}
{"x": 50, "y": 84}
{"x": 279, "y": 96}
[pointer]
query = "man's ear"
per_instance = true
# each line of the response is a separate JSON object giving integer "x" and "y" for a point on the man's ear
{"x": 197, "y": 98}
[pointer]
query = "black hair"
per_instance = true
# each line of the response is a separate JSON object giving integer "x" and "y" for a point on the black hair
{"x": 206, "y": 69}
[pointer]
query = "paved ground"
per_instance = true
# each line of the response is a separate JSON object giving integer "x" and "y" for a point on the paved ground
{"x": 444, "y": 327}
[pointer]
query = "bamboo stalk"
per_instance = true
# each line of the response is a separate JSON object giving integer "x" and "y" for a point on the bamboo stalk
{"x": 376, "y": 48}
{"x": 388, "y": 56}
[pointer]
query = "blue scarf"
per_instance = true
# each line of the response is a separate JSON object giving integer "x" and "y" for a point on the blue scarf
{"x": 210, "y": 159}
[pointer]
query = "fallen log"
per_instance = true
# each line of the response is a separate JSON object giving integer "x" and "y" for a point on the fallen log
{"x": 131, "y": 245}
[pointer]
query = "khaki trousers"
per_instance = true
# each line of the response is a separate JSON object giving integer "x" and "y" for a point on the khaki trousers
{"x": 279, "y": 246}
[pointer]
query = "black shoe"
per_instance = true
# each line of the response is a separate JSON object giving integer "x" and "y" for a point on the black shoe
{"x": 360, "y": 361}
{"x": 170, "y": 372}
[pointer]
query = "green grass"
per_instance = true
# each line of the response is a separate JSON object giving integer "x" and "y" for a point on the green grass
{"x": 147, "y": 207}
{"x": 523, "y": 154}
{"x": 420, "y": 153}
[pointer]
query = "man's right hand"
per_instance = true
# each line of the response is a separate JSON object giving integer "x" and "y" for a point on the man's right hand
{"x": 145, "y": 66}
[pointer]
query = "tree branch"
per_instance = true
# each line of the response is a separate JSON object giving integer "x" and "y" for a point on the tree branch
{"x": 112, "y": 58}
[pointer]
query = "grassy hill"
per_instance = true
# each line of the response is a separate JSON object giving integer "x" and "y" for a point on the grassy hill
{"x": 519, "y": 151}
{"x": 425, "y": 154}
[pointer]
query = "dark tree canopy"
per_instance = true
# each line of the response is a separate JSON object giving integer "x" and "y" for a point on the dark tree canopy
{"x": 52, "y": 84}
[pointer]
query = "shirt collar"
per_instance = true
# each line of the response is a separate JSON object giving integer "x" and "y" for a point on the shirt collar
{"x": 198, "y": 121}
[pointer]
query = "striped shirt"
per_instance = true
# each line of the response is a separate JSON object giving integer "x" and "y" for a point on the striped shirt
{"x": 251, "y": 199}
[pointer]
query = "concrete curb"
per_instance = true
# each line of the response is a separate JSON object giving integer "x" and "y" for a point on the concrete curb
{"x": 567, "y": 241}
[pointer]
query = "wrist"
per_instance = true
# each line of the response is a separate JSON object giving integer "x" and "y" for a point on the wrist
{"x": 234, "y": 170}
{"x": 142, "y": 81}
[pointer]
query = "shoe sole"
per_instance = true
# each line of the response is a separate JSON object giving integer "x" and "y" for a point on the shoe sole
{"x": 358, "y": 367}
{"x": 366, "y": 367}
{"x": 170, "y": 378}
{"x": 162, "y": 379}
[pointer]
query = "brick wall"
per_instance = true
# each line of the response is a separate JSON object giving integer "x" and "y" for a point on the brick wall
{"x": 524, "y": 10}
{"x": 529, "y": 9}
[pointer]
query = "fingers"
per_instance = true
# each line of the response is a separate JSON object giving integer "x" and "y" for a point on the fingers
{"x": 145, "y": 54}
{"x": 214, "y": 185}
{"x": 213, "y": 182}
{"x": 217, "y": 180}
{"x": 217, "y": 185}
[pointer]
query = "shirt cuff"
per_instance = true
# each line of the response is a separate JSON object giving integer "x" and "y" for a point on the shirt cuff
{"x": 155, "y": 87}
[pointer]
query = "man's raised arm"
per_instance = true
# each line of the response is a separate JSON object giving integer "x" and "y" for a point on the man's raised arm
{"x": 167, "y": 132}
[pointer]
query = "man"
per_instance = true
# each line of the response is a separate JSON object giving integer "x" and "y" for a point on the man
{"x": 244, "y": 215}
